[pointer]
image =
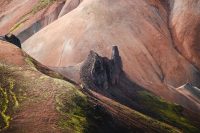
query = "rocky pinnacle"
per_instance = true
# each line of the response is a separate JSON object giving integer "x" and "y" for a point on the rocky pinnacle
{"x": 100, "y": 72}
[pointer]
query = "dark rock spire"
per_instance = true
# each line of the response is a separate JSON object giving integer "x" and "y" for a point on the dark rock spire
{"x": 100, "y": 72}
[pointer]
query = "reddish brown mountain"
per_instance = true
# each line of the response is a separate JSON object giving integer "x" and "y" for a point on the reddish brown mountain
{"x": 146, "y": 33}
{"x": 116, "y": 66}
{"x": 38, "y": 103}
{"x": 24, "y": 18}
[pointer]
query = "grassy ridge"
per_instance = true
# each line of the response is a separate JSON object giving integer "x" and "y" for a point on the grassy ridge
{"x": 79, "y": 115}
{"x": 136, "y": 119}
{"x": 73, "y": 116}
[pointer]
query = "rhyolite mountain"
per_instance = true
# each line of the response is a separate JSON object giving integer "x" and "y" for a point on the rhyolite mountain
{"x": 100, "y": 66}
{"x": 35, "y": 99}
{"x": 26, "y": 17}
{"x": 147, "y": 35}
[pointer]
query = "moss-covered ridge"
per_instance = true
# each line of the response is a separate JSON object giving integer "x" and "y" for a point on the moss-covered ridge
{"x": 71, "y": 105}
{"x": 95, "y": 113}
{"x": 28, "y": 88}
{"x": 134, "y": 119}
{"x": 79, "y": 114}
{"x": 165, "y": 111}
{"x": 21, "y": 88}
{"x": 136, "y": 97}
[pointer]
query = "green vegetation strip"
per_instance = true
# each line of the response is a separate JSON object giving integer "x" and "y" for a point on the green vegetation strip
{"x": 165, "y": 111}
{"x": 4, "y": 119}
{"x": 78, "y": 114}
{"x": 148, "y": 123}
{"x": 71, "y": 105}
{"x": 8, "y": 98}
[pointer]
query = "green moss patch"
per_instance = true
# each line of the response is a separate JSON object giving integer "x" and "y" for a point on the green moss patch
{"x": 73, "y": 114}
{"x": 8, "y": 98}
{"x": 4, "y": 118}
{"x": 80, "y": 114}
{"x": 165, "y": 111}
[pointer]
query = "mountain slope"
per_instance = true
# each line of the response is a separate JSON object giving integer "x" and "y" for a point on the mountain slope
{"x": 142, "y": 31}
{"x": 150, "y": 83}
{"x": 25, "y": 18}
{"x": 34, "y": 102}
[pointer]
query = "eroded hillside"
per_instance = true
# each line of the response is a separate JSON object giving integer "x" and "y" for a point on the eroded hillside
{"x": 142, "y": 30}
{"x": 100, "y": 66}
{"x": 25, "y": 18}
{"x": 34, "y": 102}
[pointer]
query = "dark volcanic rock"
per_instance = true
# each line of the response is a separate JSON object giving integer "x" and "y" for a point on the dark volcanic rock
{"x": 12, "y": 39}
{"x": 100, "y": 72}
{"x": 189, "y": 86}
{"x": 116, "y": 65}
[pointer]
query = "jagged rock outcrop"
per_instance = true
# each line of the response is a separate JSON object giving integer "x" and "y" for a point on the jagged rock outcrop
{"x": 100, "y": 72}
{"x": 115, "y": 66}
{"x": 12, "y": 39}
